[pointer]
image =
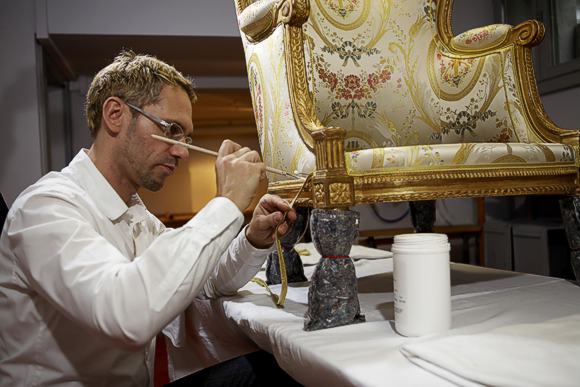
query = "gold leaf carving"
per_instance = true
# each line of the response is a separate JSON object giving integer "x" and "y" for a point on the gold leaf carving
{"x": 339, "y": 193}
{"x": 466, "y": 193}
{"x": 319, "y": 193}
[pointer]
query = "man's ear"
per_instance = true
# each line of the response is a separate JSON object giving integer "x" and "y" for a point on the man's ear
{"x": 116, "y": 115}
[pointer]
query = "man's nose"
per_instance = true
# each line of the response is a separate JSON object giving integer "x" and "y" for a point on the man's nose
{"x": 179, "y": 151}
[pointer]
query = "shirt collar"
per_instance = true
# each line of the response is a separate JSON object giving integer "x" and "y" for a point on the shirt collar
{"x": 98, "y": 188}
{"x": 137, "y": 209}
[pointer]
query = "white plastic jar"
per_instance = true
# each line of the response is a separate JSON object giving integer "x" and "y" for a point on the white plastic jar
{"x": 422, "y": 286}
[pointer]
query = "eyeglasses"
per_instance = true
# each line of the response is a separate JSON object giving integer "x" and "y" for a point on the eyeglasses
{"x": 171, "y": 130}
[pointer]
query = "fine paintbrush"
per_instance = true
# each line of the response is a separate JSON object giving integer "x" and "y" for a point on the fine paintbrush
{"x": 210, "y": 152}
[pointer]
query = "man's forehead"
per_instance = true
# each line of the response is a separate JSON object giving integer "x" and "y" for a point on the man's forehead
{"x": 173, "y": 104}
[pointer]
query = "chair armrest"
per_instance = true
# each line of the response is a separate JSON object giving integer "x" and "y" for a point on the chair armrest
{"x": 499, "y": 39}
{"x": 259, "y": 19}
{"x": 526, "y": 34}
{"x": 492, "y": 38}
{"x": 482, "y": 38}
{"x": 571, "y": 137}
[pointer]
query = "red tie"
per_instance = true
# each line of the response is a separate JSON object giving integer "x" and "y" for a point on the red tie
{"x": 160, "y": 372}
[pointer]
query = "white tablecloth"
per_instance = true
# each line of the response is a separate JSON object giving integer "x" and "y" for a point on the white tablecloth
{"x": 519, "y": 355}
{"x": 369, "y": 354}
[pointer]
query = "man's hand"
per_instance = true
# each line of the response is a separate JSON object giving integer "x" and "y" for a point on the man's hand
{"x": 269, "y": 213}
{"x": 238, "y": 173}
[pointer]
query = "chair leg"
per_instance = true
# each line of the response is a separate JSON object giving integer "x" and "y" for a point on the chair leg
{"x": 333, "y": 292}
{"x": 570, "y": 208}
{"x": 294, "y": 267}
{"x": 423, "y": 215}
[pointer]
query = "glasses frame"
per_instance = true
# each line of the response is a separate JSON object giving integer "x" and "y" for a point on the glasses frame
{"x": 164, "y": 125}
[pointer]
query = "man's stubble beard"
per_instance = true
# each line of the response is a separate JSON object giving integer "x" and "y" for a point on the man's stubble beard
{"x": 131, "y": 151}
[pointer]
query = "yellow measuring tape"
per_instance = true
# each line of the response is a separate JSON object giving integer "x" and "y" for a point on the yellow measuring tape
{"x": 279, "y": 300}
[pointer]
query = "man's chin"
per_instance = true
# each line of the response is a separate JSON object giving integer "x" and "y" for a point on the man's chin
{"x": 153, "y": 185}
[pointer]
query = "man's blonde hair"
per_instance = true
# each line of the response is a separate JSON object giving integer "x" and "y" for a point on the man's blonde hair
{"x": 135, "y": 78}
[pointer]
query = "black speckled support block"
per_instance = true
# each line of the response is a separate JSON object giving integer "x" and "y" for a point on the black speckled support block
{"x": 570, "y": 208}
{"x": 294, "y": 267}
{"x": 423, "y": 215}
{"x": 333, "y": 294}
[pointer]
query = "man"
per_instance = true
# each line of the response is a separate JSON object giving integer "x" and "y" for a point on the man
{"x": 88, "y": 277}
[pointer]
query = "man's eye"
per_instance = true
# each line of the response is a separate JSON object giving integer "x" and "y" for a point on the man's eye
{"x": 175, "y": 130}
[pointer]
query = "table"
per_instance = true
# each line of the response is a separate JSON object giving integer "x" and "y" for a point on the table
{"x": 369, "y": 354}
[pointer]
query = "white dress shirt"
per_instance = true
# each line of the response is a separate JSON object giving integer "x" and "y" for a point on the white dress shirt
{"x": 86, "y": 282}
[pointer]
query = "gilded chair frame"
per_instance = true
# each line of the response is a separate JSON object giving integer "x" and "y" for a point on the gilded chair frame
{"x": 333, "y": 187}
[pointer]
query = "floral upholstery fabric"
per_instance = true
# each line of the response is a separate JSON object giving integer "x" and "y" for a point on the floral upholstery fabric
{"x": 379, "y": 70}
{"x": 378, "y": 160}
{"x": 280, "y": 141}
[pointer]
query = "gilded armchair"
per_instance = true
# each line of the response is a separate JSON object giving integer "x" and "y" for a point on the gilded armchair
{"x": 381, "y": 102}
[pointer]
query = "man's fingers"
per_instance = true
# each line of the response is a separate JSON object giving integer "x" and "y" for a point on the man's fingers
{"x": 238, "y": 173}
{"x": 234, "y": 152}
{"x": 248, "y": 155}
{"x": 228, "y": 147}
{"x": 273, "y": 203}
{"x": 241, "y": 151}
{"x": 271, "y": 220}
{"x": 283, "y": 229}
{"x": 270, "y": 215}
